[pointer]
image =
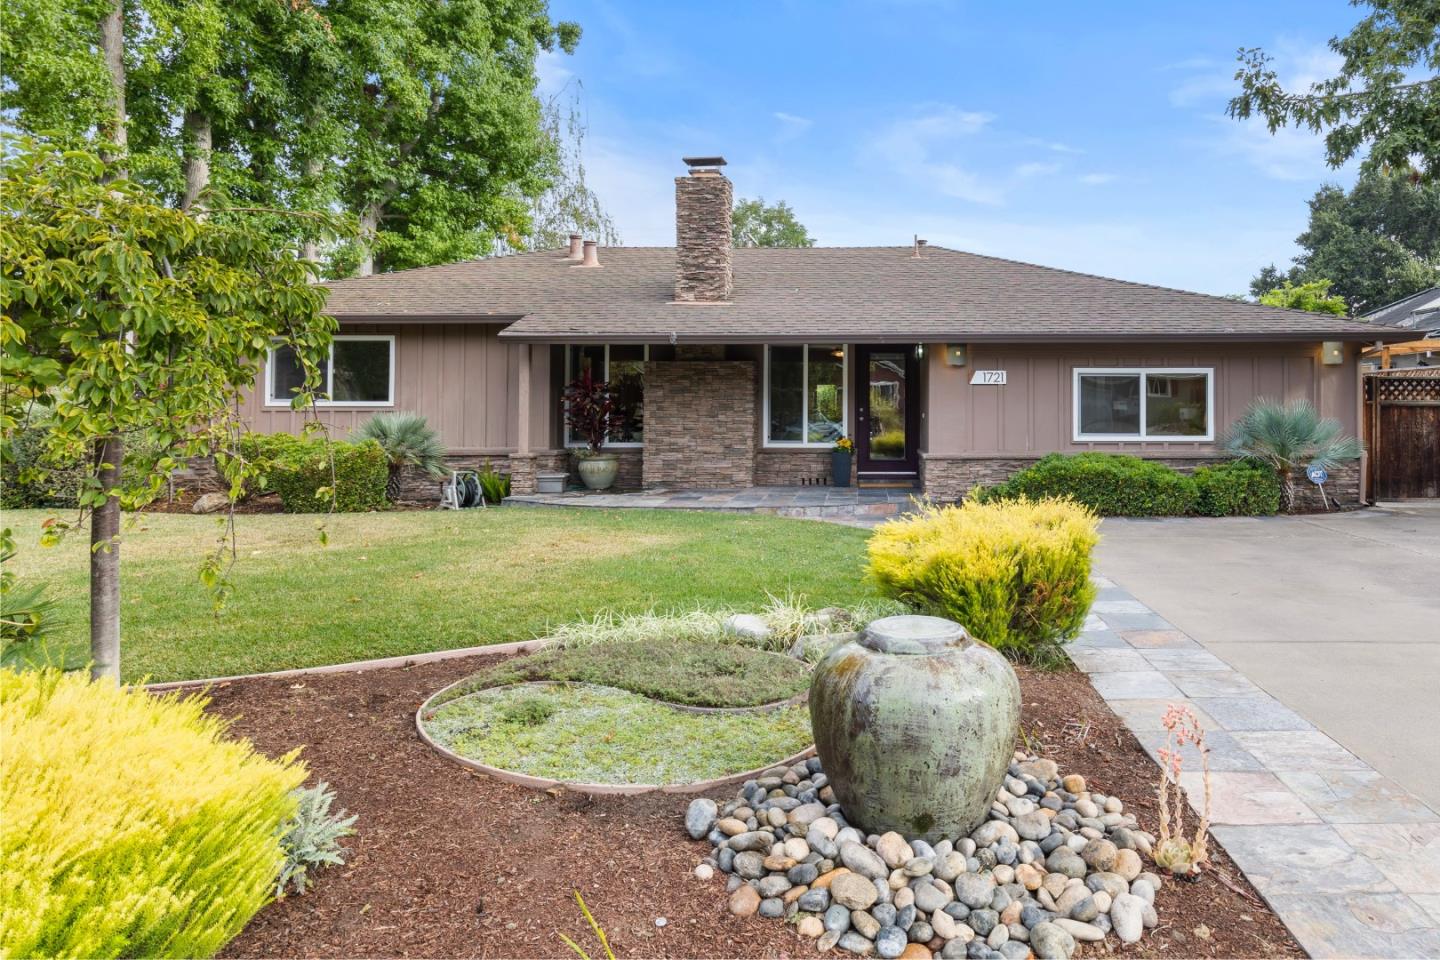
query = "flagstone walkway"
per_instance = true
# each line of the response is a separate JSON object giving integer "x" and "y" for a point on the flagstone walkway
{"x": 862, "y": 506}
{"x": 1347, "y": 858}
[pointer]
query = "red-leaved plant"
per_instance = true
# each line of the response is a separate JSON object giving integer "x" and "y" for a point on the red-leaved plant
{"x": 590, "y": 411}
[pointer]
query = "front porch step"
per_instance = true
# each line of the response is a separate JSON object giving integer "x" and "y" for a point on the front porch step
{"x": 885, "y": 484}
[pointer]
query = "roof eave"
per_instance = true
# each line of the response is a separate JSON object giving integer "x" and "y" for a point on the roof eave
{"x": 963, "y": 337}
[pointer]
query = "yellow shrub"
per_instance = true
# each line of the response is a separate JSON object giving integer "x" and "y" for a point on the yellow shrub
{"x": 131, "y": 826}
{"x": 1015, "y": 574}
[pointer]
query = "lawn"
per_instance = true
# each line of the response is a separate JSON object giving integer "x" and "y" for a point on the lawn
{"x": 398, "y": 583}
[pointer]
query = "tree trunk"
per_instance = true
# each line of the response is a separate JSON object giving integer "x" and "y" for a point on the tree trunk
{"x": 112, "y": 48}
{"x": 1287, "y": 491}
{"x": 369, "y": 228}
{"x": 105, "y": 564}
{"x": 314, "y": 169}
{"x": 198, "y": 143}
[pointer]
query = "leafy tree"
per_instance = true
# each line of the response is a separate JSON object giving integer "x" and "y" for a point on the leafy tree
{"x": 448, "y": 142}
{"x": 135, "y": 325}
{"x": 407, "y": 441}
{"x": 1314, "y": 296}
{"x": 1287, "y": 437}
{"x": 1377, "y": 242}
{"x": 1386, "y": 94}
{"x": 418, "y": 118}
{"x": 756, "y": 224}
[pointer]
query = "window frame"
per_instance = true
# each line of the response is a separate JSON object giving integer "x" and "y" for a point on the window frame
{"x": 272, "y": 402}
{"x": 766, "y": 442}
{"x": 1144, "y": 436}
{"x": 573, "y": 444}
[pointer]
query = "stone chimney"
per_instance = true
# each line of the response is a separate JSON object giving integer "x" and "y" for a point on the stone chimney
{"x": 703, "y": 246}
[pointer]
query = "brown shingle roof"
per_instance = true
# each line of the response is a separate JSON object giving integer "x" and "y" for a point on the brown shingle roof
{"x": 856, "y": 294}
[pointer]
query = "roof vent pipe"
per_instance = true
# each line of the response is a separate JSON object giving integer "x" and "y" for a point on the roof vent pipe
{"x": 919, "y": 247}
{"x": 592, "y": 256}
{"x": 575, "y": 252}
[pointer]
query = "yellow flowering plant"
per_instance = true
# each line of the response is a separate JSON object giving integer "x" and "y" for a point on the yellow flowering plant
{"x": 133, "y": 826}
{"x": 844, "y": 445}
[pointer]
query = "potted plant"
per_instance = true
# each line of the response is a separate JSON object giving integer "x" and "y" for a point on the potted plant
{"x": 840, "y": 456}
{"x": 591, "y": 415}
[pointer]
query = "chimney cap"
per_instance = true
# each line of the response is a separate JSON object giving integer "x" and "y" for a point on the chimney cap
{"x": 704, "y": 161}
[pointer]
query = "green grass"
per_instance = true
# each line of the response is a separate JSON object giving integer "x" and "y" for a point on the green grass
{"x": 598, "y": 735}
{"x": 398, "y": 583}
{"x": 677, "y": 671}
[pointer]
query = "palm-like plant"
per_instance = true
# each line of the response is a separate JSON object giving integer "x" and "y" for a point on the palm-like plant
{"x": 407, "y": 441}
{"x": 1286, "y": 436}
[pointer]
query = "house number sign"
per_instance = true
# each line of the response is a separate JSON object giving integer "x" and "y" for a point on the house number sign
{"x": 988, "y": 378}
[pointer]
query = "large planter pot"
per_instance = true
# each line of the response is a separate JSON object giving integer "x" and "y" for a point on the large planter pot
{"x": 915, "y": 723}
{"x": 598, "y": 471}
{"x": 840, "y": 468}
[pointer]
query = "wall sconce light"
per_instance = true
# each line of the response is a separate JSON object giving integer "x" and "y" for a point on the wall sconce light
{"x": 955, "y": 355}
{"x": 919, "y": 351}
{"x": 1332, "y": 353}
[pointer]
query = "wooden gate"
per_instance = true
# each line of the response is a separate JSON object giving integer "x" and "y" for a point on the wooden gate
{"x": 1402, "y": 433}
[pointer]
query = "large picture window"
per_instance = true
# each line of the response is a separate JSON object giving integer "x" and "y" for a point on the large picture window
{"x": 805, "y": 402}
{"x": 359, "y": 372}
{"x": 1144, "y": 404}
{"x": 622, "y": 365}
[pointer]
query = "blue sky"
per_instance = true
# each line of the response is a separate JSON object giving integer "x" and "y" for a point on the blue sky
{"x": 1090, "y": 136}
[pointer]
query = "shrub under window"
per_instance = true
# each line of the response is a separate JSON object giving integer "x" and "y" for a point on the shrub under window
{"x": 1113, "y": 485}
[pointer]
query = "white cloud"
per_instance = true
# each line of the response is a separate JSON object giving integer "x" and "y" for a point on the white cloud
{"x": 1097, "y": 179}
{"x": 552, "y": 75}
{"x": 1289, "y": 153}
{"x": 913, "y": 148}
{"x": 791, "y": 120}
{"x": 1028, "y": 170}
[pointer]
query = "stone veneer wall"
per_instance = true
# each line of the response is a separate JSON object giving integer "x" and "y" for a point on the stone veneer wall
{"x": 948, "y": 479}
{"x": 786, "y": 468}
{"x": 699, "y": 423}
{"x": 703, "y": 245}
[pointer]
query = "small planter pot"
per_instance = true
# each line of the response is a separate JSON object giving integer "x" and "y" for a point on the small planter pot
{"x": 550, "y": 482}
{"x": 840, "y": 467}
{"x": 598, "y": 471}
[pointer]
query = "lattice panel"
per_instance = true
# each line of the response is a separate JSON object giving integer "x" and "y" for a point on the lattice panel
{"x": 1404, "y": 386}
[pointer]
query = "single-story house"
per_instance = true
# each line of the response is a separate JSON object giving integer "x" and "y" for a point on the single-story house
{"x": 738, "y": 367}
{"x": 1419, "y": 313}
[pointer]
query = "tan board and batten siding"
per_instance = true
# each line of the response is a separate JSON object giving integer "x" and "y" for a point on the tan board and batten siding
{"x": 1034, "y": 412}
{"x": 460, "y": 376}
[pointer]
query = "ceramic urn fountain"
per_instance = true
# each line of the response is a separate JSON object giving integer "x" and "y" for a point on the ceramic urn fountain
{"x": 915, "y": 723}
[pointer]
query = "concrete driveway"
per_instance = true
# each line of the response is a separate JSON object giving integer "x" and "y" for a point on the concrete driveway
{"x": 1337, "y": 616}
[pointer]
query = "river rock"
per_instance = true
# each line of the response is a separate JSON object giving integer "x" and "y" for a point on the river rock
{"x": 890, "y": 942}
{"x": 863, "y": 861}
{"x": 864, "y": 923}
{"x": 700, "y": 817}
{"x": 1051, "y": 942}
{"x": 894, "y": 850}
{"x": 1100, "y": 855}
{"x": 810, "y": 927}
{"x": 1128, "y": 864}
{"x": 852, "y": 942}
{"x": 853, "y": 890}
{"x": 744, "y": 901}
{"x": 1078, "y": 930}
{"x": 1127, "y": 914}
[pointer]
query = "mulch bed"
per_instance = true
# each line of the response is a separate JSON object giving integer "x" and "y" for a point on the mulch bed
{"x": 451, "y": 863}
{"x": 183, "y": 501}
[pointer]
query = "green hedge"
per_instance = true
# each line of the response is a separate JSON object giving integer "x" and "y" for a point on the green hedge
{"x": 297, "y": 468}
{"x": 1116, "y": 485}
{"x": 1113, "y": 485}
{"x": 1239, "y": 488}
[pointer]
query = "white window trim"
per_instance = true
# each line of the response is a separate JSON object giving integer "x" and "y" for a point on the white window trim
{"x": 570, "y": 442}
{"x": 273, "y": 402}
{"x": 805, "y": 401}
{"x": 1143, "y": 435}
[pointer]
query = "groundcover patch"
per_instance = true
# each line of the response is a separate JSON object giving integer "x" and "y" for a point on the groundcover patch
{"x": 676, "y": 671}
{"x": 594, "y": 734}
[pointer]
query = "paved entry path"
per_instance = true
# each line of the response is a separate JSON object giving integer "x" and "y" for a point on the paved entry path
{"x": 1310, "y": 650}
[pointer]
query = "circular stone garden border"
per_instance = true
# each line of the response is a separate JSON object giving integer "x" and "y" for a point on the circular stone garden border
{"x": 611, "y": 789}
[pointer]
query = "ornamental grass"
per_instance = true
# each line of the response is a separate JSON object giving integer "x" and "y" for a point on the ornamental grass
{"x": 132, "y": 826}
{"x": 1015, "y": 574}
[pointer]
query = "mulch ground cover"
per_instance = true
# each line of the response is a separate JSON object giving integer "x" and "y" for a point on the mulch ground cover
{"x": 451, "y": 863}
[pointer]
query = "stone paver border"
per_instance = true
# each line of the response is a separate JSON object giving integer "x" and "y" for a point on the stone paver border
{"x": 1347, "y": 858}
